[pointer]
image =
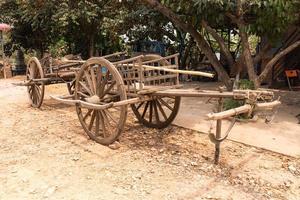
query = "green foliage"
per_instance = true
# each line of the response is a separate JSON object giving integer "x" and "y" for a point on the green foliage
{"x": 82, "y": 24}
{"x": 59, "y": 49}
{"x": 245, "y": 84}
{"x": 231, "y": 103}
{"x": 263, "y": 17}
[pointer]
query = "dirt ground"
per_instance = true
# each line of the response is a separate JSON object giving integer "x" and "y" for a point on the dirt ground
{"x": 45, "y": 154}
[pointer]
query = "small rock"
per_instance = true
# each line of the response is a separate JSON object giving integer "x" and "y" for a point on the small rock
{"x": 50, "y": 191}
{"x": 153, "y": 149}
{"x": 24, "y": 180}
{"x": 269, "y": 193}
{"x": 151, "y": 143}
{"x": 69, "y": 136}
{"x": 76, "y": 158}
{"x": 194, "y": 164}
{"x": 33, "y": 191}
{"x": 138, "y": 176}
{"x": 292, "y": 169}
{"x": 120, "y": 191}
{"x": 114, "y": 146}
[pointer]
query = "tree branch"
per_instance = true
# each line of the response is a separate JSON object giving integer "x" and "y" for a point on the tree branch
{"x": 271, "y": 63}
{"x": 261, "y": 53}
{"x": 220, "y": 41}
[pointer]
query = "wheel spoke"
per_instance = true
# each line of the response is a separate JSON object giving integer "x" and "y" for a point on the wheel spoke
{"x": 87, "y": 114}
{"x": 107, "y": 113}
{"x": 33, "y": 95}
{"x": 108, "y": 89}
{"x": 103, "y": 125}
{"x": 92, "y": 71}
{"x": 151, "y": 111}
{"x": 38, "y": 94}
{"x": 82, "y": 94}
{"x": 89, "y": 81}
{"x": 166, "y": 104}
{"x": 92, "y": 120}
{"x": 156, "y": 111}
{"x": 140, "y": 105}
{"x": 97, "y": 123}
{"x": 99, "y": 79}
{"x": 30, "y": 90}
{"x": 161, "y": 110}
{"x": 103, "y": 83}
{"x": 86, "y": 88}
{"x": 145, "y": 109}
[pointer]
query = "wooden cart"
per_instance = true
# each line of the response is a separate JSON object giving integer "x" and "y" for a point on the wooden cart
{"x": 103, "y": 90}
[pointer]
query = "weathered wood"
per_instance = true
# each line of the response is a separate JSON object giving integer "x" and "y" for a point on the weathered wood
{"x": 154, "y": 89}
{"x": 128, "y": 60}
{"x": 196, "y": 93}
{"x": 160, "y": 59}
{"x": 66, "y": 100}
{"x": 229, "y": 113}
{"x": 267, "y": 105}
{"x": 196, "y": 73}
{"x": 160, "y": 77}
{"x": 114, "y": 54}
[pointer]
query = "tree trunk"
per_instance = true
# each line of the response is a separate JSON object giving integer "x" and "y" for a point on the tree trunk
{"x": 201, "y": 42}
{"x": 186, "y": 53}
{"x": 247, "y": 54}
{"x": 271, "y": 63}
{"x": 92, "y": 45}
{"x": 221, "y": 43}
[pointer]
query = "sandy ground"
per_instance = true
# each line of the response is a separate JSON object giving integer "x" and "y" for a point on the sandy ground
{"x": 44, "y": 154}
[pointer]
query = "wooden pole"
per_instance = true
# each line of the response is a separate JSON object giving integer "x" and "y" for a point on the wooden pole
{"x": 177, "y": 71}
{"x": 218, "y": 132}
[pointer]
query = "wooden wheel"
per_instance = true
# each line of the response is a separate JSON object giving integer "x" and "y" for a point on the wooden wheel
{"x": 35, "y": 90}
{"x": 99, "y": 82}
{"x": 157, "y": 113}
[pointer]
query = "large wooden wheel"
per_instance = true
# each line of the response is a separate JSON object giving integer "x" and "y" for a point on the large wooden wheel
{"x": 157, "y": 113}
{"x": 35, "y": 89}
{"x": 99, "y": 82}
